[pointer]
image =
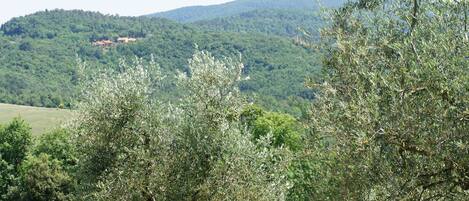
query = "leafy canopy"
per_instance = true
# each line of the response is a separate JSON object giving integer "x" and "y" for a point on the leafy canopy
{"x": 134, "y": 147}
{"x": 394, "y": 103}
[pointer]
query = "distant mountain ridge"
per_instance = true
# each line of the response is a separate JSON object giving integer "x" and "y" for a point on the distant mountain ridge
{"x": 197, "y": 13}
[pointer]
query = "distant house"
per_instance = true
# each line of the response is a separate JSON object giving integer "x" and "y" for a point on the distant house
{"x": 106, "y": 43}
{"x": 103, "y": 43}
{"x": 126, "y": 40}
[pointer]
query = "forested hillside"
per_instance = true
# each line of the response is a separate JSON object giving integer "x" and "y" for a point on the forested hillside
{"x": 40, "y": 53}
{"x": 280, "y": 22}
{"x": 196, "y": 13}
{"x": 271, "y": 17}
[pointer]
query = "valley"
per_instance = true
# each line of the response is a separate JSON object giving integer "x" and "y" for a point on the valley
{"x": 39, "y": 63}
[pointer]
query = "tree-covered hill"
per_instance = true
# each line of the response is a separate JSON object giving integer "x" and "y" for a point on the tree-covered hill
{"x": 197, "y": 13}
{"x": 39, "y": 52}
{"x": 280, "y": 22}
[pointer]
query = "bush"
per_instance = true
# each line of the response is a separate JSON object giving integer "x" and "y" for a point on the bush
{"x": 15, "y": 139}
{"x": 284, "y": 128}
{"x": 57, "y": 145}
{"x": 43, "y": 178}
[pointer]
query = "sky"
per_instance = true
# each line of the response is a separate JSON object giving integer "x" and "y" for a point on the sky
{"x": 15, "y": 8}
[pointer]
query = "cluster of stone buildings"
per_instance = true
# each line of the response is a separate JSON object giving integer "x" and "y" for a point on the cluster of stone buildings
{"x": 106, "y": 43}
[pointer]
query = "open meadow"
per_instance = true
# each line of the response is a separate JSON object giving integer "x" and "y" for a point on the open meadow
{"x": 40, "y": 119}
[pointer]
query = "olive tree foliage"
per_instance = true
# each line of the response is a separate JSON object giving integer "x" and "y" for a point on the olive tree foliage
{"x": 110, "y": 120}
{"x": 394, "y": 104}
{"x": 137, "y": 148}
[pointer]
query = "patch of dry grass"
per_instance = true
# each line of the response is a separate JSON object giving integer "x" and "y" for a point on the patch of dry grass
{"x": 40, "y": 119}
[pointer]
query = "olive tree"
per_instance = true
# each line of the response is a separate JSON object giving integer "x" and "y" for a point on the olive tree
{"x": 394, "y": 103}
{"x": 138, "y": 148}
{"x": 110, "y": 121}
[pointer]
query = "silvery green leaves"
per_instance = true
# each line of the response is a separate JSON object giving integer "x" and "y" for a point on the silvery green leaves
{"x": 137, "y": 148}
{"x": 394, "y": 101}
{"x": 212, "y": 86}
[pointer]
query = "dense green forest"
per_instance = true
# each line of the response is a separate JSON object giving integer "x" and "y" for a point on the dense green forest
{"x": 389, "y": 119}
{"x": 279, "y": 22}
{"x": 40, "y": 53}
{"x": 294, "y": 18}
{"x": 197, "y": 13}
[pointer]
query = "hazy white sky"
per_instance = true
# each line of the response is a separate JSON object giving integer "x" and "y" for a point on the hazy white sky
{"x": 14, "y": 8}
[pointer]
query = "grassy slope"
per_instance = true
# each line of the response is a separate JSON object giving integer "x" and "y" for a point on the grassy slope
{"x": 40, "y": 119}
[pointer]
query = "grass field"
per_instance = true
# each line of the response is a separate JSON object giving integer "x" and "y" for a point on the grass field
{"x": 40, "y": 119}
